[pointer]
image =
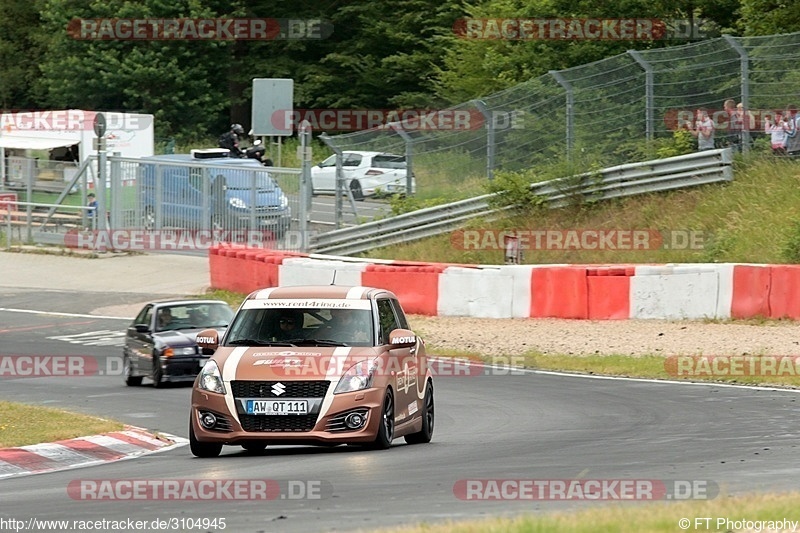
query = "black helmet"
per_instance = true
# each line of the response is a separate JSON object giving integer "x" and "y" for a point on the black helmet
{"x": 237, "y": 129}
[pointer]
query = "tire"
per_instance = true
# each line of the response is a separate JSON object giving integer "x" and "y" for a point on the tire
{"x": 355, "y": 190}
{"x": 158, "y": 375}
{"x": 130, "y": 379}
{"x": 202, "y": 449}
{"x": 254, "y": 447}
{"x": 425, "y": 435}
{"x": 386, "y": 428}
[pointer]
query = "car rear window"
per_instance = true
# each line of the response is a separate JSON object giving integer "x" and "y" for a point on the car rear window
{"x": 389, "y": 161}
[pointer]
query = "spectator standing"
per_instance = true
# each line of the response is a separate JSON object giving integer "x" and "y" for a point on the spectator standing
{"x": 703, "y": 130}
{"x": 748, "y": 122}
{"x": 735, "y": 123}
{"x": 792, "y": 135}
{"x": 777, "y": 129}
{"x": 91, "y": 203}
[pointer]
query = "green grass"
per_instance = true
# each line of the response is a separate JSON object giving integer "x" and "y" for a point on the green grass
{"x": 637, "y": 517}
{"x": 21, "y": 425}
{"x": 752, "y": 219}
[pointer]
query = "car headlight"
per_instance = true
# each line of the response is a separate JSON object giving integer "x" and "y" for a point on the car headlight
{"x": 211, "y": 378}
{"x": 357, "y": 377}
{"x": 237, "y": 203}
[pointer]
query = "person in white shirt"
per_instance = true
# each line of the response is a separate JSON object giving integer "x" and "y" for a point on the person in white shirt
{"x": 703, "y": 130}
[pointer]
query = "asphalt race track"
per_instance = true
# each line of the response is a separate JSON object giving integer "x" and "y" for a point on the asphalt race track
{"x": 529, "y": 426}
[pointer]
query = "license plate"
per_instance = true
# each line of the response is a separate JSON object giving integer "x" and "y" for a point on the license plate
{"x": 277, "y": 407}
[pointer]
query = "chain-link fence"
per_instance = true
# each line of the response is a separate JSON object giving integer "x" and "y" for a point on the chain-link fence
{"x": 616, "y": 110}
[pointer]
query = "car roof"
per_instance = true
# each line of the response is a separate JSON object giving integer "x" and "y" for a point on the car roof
{"x": 187, "y": 158}
{"x": 371, "y": 153}
{"x": 169, "y": 303}
{"x": 321, "y": 292}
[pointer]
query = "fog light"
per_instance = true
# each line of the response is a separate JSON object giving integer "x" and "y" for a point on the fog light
{"x": 355, "y": 420}
{"x": 208, "y": 420}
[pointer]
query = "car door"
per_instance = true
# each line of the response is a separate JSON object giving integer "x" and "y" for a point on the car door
{"x": 140, "y": 343}
{"x": 402, "y": 362}
{"x": 323, "y": 177}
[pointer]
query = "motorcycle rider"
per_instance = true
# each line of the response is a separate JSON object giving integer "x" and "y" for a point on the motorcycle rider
{"x": 230, "y": 140}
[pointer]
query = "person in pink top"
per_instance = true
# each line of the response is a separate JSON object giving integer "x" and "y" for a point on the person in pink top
{"x": 777, "y": 129}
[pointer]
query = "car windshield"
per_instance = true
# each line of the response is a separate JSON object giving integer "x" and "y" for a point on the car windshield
{"x": 243, "y": 180}
{"x": 302, "y": 327}
{"x": 193, "y": 316}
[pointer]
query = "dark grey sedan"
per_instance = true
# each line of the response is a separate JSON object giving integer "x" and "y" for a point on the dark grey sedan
{"x": 160, "y": 343}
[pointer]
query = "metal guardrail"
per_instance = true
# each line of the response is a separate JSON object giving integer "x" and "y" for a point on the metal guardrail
{"x": 700, "y": 168}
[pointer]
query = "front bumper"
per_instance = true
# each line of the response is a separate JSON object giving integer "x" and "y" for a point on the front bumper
{"x": 181, "y": 369}
{"x": 321, "y": 424}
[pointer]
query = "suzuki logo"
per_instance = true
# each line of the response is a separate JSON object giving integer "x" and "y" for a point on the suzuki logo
{"x": 278, "y": 389}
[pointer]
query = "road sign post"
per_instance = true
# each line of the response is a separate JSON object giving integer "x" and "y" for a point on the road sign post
{"x": 99, "y": 126}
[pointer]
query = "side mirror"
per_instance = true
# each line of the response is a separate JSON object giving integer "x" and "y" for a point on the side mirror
{"x": 208, "y": 341}
{"x": 402, "y": 338}
{"x": 142, "y": 328}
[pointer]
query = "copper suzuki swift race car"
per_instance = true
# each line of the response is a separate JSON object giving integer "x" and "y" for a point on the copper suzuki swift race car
{"x": 322, "y": 365}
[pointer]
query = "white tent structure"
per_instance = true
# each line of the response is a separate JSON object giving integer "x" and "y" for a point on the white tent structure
{"x": 129, "y": 134}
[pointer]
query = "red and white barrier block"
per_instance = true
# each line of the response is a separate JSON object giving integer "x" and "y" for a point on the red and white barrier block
{"x": 594, "y": 292}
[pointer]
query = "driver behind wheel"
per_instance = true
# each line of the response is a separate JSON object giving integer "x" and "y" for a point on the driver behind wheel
{"x": 165, "y": 318}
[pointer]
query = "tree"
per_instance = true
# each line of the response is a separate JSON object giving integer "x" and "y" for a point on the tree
{"x": 177, "y": 81}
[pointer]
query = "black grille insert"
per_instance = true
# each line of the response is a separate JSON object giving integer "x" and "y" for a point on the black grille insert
{"x": 291, "y": 389}
{"x": 278, "y": 423}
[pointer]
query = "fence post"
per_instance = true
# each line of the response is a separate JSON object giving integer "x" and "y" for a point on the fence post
{"x": 115, "y": 206}
{"x": 744, "y": 67}
{"x": 488, "y": 116}
{"x": 648, "y": 93}
{"x": 305, "y": 182}
{"x": 570, "y": 109}
{"x": 398, "y": 128}
{"x": 341, "y": 186}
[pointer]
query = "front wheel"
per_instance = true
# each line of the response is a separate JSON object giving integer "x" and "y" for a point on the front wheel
{"x": 426, "y": 433}
{"x": 356, "y": 191}
{"x": 130, "y": 379}
{"x": 158, "y": 374}
{"x": 386, "y": 428}
{"x": 202, "y": 449}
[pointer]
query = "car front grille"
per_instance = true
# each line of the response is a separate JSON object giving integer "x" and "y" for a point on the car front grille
{"x": 292, "y": 389}
{"x": 289, "y": 423}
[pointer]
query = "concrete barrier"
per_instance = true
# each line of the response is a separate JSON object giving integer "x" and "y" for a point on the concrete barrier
{"x": 597, "y": 292}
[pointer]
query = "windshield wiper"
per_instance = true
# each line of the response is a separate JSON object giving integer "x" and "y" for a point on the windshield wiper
{"x": 253, "y": 342}
{"x": 320, "y": 342}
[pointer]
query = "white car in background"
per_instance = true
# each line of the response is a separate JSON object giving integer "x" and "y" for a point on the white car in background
{"x": 365, "y": 173}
